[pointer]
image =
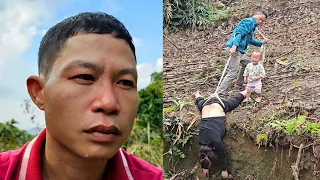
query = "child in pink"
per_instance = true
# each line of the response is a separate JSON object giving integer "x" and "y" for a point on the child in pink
{"x": 253, "y": 74}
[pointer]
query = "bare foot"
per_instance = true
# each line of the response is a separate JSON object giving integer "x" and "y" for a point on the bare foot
{"x": 197, "y": 94}
{"x": 247, "y": 99}
{"x": 258, "y": 99}
{"x": 245, "y": 93}
{"x": 206, "y": 172}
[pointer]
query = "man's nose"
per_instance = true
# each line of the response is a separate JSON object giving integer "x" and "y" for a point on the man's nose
{"x": 106, "y": 100}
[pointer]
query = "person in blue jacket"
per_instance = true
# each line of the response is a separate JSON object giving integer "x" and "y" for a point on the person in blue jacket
{"x": 241, "y": 37}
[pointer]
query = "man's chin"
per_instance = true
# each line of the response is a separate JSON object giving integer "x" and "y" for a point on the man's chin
{"x": 98, "y": 152}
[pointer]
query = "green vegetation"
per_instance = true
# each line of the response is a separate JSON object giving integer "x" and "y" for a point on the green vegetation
{"x": 281, "y": 123}
{"x": 313, "y": 128}
{"x": 297, "y": 63}
{"x": 150, "y": 103}
{"x": 137, "y": 144}
{"x": 11, "y": 137}
{"x": 261, "y": 137}
{"x": 297, "y": 125}
{"x": 145, "y": 140}
{"x": 168, "y": 109}
{"x": 176, "y": 134}
{"x": 179, "y": 104}
{"x": 293, "y": 124}
{"x": 297, "y": 84}
{"x": 181, "y": 14}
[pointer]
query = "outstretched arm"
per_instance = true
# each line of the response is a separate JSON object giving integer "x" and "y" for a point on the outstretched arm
{"x": 222, "y": 155}
{"x": 255, "y": 42}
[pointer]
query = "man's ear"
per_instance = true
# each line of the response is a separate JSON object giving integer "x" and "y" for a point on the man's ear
{"x": 35, "y": 87}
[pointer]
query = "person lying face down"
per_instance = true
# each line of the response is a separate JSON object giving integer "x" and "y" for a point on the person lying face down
{"x": 87, "y": 87}
{"x": 212, "y": 129}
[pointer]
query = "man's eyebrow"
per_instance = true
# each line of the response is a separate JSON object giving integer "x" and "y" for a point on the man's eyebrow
{"x": 84, "y": 64}
{"x": 132, "y": 71}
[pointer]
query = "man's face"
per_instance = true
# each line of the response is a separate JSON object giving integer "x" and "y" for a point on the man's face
{"x": 90, "y": 97}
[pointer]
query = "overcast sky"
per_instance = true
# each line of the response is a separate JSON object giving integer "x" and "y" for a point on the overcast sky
{"x": 24, "y": 22}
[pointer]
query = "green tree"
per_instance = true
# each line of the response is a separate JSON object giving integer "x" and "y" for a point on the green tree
{"x": 150, "y": 103}
{"x": 11, "y": 137}
{"x": 145, "y": 140}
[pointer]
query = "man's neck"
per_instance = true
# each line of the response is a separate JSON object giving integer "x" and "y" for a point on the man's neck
{"x": 60, "y": 163}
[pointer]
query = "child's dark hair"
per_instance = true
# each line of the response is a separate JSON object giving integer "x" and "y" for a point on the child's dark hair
{"x": 55, "y": 38}
{"x": 206, "y": 156}
{"x": 264, "y": 12}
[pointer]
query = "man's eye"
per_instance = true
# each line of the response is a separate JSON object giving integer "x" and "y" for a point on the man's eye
{"x": 126, "y": 83}
{"x": 85, "y": 77}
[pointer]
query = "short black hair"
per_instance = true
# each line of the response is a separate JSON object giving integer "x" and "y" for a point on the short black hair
{"x": 264, "y": 12}
{"x": 87, "y": 22}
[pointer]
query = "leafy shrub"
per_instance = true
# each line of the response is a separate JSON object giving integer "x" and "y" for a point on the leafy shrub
{"x": 181, "y": 14}
{"x": 145, "y": 140}
{"x": 11, "y": 137}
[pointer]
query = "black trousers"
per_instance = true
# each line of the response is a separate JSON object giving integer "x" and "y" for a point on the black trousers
{"x": 230, "y": 104}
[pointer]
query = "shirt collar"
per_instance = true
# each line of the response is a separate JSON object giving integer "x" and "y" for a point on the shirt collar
{"x": 254, "y": 21}
{"x": 30, "y": 165}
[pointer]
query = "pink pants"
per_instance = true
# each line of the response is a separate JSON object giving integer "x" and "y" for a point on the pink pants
{"x": 254, "y": 86}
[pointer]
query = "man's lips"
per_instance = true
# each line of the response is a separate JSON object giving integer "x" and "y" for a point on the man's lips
{"x": 104, "y": 129}
{"x": 103, "y": 133}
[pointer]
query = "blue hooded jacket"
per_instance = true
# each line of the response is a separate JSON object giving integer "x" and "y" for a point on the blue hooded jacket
{"x": 242, "y": 35}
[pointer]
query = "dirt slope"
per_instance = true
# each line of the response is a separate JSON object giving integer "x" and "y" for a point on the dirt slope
{"x": 193, "y": 60}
